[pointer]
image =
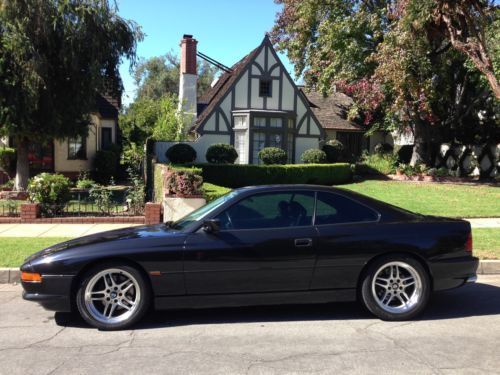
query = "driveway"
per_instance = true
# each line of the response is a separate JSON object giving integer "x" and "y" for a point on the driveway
{"x": 459, "y": 333}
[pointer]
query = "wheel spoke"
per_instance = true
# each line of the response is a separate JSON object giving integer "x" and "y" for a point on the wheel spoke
{"x": 121, "y": 304}
{"x": 381, "y": 281}
{"x": 125, "y": 286}
{"x": 111, "y": 311}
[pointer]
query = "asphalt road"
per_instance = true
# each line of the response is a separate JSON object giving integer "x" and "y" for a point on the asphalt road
{"x": 459, "y": 333}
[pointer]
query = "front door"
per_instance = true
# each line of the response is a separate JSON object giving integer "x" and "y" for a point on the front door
{"x": 266, "y": 244}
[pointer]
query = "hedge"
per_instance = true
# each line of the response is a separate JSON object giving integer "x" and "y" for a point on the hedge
{"x": 237, "y": 175}
{"x": 212, "y": 192}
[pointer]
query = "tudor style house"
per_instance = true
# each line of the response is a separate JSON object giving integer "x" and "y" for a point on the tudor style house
{"x": 74, "y": 155}
{"x": 256, "y": 104}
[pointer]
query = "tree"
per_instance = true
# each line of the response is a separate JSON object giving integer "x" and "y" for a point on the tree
{"x": 158, "y": 76}
{"x": 55, "y": 56}
{"x": 387, "y": 56}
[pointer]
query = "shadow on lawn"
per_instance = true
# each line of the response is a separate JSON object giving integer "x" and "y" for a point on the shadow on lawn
{"x": 470, "y": 300}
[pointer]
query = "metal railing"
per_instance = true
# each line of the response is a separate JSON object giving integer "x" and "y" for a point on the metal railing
{"x": 10, "y": 208}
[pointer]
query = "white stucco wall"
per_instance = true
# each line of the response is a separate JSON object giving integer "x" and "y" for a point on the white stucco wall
{"x": 302, "y": 144}
{"x": 241, "y": 91}
{"x": 201, "y": 146}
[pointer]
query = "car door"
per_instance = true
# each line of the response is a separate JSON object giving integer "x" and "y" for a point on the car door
{"x": 266, "y": 243}
{"x": 348, "y": 235}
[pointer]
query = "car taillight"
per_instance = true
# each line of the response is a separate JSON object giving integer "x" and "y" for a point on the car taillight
{"x": 468, "y": 244}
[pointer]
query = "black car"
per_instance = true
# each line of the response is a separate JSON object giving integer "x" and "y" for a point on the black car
{"x": 283, "y": 244}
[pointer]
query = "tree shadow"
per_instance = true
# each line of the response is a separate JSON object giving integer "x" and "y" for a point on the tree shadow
{"x": 470, "y": 300}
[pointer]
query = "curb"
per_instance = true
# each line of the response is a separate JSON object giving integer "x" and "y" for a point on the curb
{"x": 486, "y": 267}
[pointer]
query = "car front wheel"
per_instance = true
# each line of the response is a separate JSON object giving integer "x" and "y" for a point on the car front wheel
{"x": 112, "y": 296}
{"x": 396, "y": 288}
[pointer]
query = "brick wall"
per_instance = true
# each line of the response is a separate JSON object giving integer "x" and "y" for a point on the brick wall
{"x": 152, "y": 213}
{"x": 30, "y": 212}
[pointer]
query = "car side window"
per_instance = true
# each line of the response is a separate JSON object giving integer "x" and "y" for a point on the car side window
{"x": 269, "y": 210}
{"x": 337, "y": 209}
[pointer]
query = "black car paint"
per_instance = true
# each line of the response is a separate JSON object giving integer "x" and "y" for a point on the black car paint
{"x": 246, "y": 267}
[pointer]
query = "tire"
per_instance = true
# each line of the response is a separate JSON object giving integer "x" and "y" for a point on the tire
{"x": 395, "y": 288}
{"x": 113, "y": 296}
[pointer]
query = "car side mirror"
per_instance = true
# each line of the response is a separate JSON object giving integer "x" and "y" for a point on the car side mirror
{"x": 211, "y": 226}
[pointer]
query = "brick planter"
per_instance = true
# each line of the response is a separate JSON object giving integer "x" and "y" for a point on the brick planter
{"x": 29, "y": 212}
{"x": 152, "y": 213}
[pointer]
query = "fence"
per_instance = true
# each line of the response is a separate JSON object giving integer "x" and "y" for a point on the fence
{"x": 10, "y": 208}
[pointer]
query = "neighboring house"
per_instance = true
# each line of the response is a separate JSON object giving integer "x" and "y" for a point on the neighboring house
{"x": 332, "y": 111}
{"x": 254, "y": 104}
{"x": 71, "y": 156}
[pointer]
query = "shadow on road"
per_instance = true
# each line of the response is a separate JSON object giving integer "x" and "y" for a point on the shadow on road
{"x": 470, "y": 300}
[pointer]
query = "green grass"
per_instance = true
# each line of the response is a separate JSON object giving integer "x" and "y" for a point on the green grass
{"x": 13, "y": 250}
{"x": 434, "y": 199}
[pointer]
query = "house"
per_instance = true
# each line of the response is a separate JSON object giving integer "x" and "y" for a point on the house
{"x": 71, "y": 156}
{"x": 331, "y": 111}
{"x": 254, "y": 104}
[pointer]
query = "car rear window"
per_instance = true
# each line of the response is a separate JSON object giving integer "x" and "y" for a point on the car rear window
{"x": 336, "y": 209}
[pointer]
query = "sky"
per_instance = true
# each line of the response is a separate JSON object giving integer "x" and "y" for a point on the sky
{"x": 225, "y": 30}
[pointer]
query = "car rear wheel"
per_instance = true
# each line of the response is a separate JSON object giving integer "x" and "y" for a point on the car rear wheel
{"x": 112, "y": 296}
{"x": 395, "y": 288}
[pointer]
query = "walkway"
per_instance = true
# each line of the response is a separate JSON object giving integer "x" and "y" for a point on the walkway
{"x": 77, "y": 230}
{"x": 56, "y": 230}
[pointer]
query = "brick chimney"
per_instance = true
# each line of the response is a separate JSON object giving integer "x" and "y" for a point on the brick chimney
{"x": 188, "y": 76}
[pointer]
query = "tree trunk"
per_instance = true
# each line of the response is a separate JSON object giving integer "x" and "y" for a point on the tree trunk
{"x": 420, "y": 153}
{"x": 22, "y": 165}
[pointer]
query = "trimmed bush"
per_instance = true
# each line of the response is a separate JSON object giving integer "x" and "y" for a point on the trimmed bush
{"x": 272, "y": 155}
{"x": 181, "y": 153}
{"x": 221, "y": 153}
{"x": 52, "y": 191}
{"x": 334, "y": 150}
{"x": 313, "y": 156}
{"x": 7, "y": 159}
{"x": 212, "y": 192}
{"x": 105, "y": 166}
{"x": 239, "y": 175}
{"x": 383, "y": 148}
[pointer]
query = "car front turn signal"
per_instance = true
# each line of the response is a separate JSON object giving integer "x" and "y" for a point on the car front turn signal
{"x": 31, "y": 277}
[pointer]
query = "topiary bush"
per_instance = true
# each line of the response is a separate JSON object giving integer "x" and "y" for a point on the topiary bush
{"x": 221, "y": 153}
{"x": 181, "y": 153}
{"x": 7, "y": 159}
{"x": 272, "y": 155}
{"x": 313, "y": 156}
{"x": 105, "y": 166}
{"x": 52, "y": 191}
{"x": 334, "y": 150}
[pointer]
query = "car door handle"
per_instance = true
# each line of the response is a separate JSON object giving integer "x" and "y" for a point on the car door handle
{"x": 303, "y": 242}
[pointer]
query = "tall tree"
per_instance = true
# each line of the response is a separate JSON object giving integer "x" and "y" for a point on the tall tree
{"x": 55, "y": 55}
{"x": 158, "y": 76}
{"x": 386, "y": 54}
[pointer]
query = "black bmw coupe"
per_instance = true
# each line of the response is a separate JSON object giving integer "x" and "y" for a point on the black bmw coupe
{"x": 283, "y": 244}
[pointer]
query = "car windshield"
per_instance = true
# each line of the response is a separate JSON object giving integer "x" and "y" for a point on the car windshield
{"x": 202, "y": 212}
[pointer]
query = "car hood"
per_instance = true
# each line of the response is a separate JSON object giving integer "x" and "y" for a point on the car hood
{"x": 149, "y": 231}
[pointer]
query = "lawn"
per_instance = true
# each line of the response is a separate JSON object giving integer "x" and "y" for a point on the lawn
{"x": 434, "y": 199}
{"x": 13, "y": 250}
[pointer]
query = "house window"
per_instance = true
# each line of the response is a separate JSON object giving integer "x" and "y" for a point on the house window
{"x": 259, "y": 142}
{"x": 265, "y": 87}
{"x": 240, "y": 146}
{"x": 276, "y": 122}
{"x": 275, "y": 140}
{"x": 77, "y": 148}
{"x": 259, "y": 122}
{"x": 106, "y": 140}
{"x": 290, "y": 123}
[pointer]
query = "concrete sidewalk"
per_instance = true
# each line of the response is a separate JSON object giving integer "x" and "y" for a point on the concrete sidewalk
{"x": 485, "y": 222}
{"x": 57, "y": 230}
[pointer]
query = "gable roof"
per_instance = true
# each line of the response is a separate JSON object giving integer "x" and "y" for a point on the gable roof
{"x": 107, "y": 105}
{"x": 331, "y": 111}
{"x": 213, "y": 94}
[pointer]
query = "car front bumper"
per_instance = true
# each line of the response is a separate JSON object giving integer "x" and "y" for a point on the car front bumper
{"x": 53, "y": 293}
{"x": 452, "y": 273}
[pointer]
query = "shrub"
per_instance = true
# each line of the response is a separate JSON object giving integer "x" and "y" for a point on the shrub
{"x": 105, "y": 165}
{"x": 7, "y": 159}
{"x": 239, "y": 175}
{"x": 212, "y": 192}
{"x": 182, "y": 183}
{"x": 383, "y": 148}
{"x": 135, "y": 193}
{"x": 52, "y": 191}
{"x": 102, "y": 196}
{"x": 181, "y": 153}
{"x": 404, "y": 153}
{"x": 334, "y": 150}
{"x": 221, "y": 153}
{"x": 9, "y": 185}
{"x": 377, "y": 164}
{"x": 313, "y": 156}
{"x": 84, "y": 181}
{"x": 272, "y": 155}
